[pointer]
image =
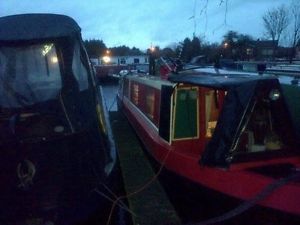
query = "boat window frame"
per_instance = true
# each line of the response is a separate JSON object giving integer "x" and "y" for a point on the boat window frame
{"x": 239, "y": 155}
{"x": 49, "y": 42}
{"x": 150, "y": 103}
{"x": 173, "y": 113}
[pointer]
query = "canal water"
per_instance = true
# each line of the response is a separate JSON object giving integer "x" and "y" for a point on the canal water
{"x": 194, "y": 204}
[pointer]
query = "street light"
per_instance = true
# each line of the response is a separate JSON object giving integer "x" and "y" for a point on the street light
{"x": 106, "y": 59}
{"x": 152, "y": 49}
{"x": 151, "y": 60}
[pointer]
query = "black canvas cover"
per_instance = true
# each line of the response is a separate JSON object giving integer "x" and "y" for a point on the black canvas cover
{"x": 25, "y": 27}
{"x": 216, "y": 81}
{"x": 241, "y": 90}
{"x": 65, "y": 137}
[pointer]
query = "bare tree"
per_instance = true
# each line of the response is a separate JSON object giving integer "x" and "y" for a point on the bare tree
{"x": 295, "y": 27}
{"x": 275, "y": 22}
{"x": 295, "y": 22}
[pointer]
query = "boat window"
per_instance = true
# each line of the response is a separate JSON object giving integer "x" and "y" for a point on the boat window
{"x": 135, "y": 94}
{"x": 150, "y": 103}
{"x": 28, "y": 75}
{"x": 122, "y": 61}
{"x": 260, "y": 134}
{"x": 212, "y": 111}
{"x": 185, "y": 114}
{"x": 79, "y": 69}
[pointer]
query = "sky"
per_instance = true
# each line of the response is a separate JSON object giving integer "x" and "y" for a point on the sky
{"x": 142, "y": 23}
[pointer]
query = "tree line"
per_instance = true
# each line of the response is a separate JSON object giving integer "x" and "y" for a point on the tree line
{"x": 97, "y": 48}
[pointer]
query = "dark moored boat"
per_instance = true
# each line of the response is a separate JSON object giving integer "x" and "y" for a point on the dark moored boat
{"x": 55, "y": 148}
{"x": 230, "y": 133}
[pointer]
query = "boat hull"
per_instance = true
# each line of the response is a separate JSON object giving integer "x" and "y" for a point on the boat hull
{"x": 49, "y": 177}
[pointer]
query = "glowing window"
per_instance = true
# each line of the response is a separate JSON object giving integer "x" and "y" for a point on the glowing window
{"x": 135, "y": 94}
{"x": 211, "y": 111}
{"x": 150, "y": 104}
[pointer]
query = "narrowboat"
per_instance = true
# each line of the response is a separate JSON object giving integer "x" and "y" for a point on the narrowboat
{"x": 56, "y": 148}
{"x": 230, "y": 133}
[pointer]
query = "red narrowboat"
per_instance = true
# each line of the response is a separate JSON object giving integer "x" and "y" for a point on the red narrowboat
{"x": 230, "y": 133}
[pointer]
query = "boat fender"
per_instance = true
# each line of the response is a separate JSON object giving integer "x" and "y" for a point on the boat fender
{"x": 25, "y": 171}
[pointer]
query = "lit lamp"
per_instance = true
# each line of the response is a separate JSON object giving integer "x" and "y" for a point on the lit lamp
{"x": 54, "y": 59}
{"x": 152, "y": 49}
{"x": 106, "y": 59}
{"x": 151, "y": 61}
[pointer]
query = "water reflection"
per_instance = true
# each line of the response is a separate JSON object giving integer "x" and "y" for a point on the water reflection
{"x": 110, "y": 91}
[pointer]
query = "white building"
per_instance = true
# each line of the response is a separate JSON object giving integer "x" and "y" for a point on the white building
{"x": 128, "y": 60}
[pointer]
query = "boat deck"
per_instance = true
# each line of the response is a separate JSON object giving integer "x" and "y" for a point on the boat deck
{"x": 150, "y": 203}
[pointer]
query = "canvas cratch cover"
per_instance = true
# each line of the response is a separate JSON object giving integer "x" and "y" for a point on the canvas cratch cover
{"x": 52, "y": 118}
{"x": 242, "y": 92}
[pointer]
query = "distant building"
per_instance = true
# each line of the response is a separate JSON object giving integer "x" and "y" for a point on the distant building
{"x": 262, "y": 50}
{"x": 95, "y": 61}
{"x": 128, "y": 60}
{"x": 108, "y": 66}
{"x": 121, "y": 60}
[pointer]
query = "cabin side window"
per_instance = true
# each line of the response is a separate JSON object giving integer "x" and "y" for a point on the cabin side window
{"x": 150, "y": 99}
{"x": 135, "y": 94}
{"x": 185, "y": 113}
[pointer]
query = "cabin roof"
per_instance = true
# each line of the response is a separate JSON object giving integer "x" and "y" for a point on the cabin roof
{"x": 26, "y": 27}
{"x": 152, "y": 81}
{"x": 220, "y": 81}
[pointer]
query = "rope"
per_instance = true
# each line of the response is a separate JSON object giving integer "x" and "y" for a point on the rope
{"x": 140, "y": 189}
{"x": 122, "y": 205}
{"x": 25, "y": 171}
{"x": 269, "y": 189}
{"x": 65, "y": 112}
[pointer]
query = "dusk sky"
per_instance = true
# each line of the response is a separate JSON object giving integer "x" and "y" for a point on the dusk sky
{"x": 160, "y": 22}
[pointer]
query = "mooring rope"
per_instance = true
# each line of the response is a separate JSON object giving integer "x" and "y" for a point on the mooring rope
{"x": 141, "y": 188}
{"x": 269, "y": 189}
